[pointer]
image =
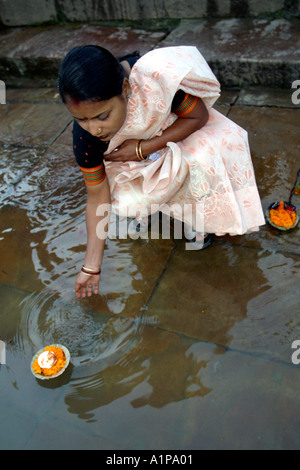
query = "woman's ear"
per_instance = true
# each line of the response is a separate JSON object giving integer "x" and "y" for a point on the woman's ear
{"x": 126, "y": 88}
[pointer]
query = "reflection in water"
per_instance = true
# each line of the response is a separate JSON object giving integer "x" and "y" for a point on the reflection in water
{"x": 118, "y": 349}
{"x": 171, "y": 374}
{"x": 111, "y": 356}
{"x": 89, "y": 335}
{"x": 272, "y": 320}
{"x": 143, "y": 352}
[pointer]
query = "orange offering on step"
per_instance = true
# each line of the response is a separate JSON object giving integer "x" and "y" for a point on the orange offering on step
{"x": 282, "y": 217}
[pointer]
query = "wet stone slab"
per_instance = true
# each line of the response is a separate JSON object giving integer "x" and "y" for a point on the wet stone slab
{"x": 152, "y": 397}
{"x": 32, "y": 117}
{"x": 42, "y": 193}
{"x": 10, "y": 312}
{"x": 32, "y": 92}
{"x": 173, "y": 335}
{"x": 52, "y": 196}
{"x": 48, "y": 186}
{"x": 226, "y": 99}
{"x": 53, "y": 182}
{"x": 244, "y": 51}
{"x": 15, "y": 163}
{"x": 276, "y": 159}
{"x": 262, "y": 96}
{"x": 275, "y": 145}
{"x": 40, "y": 180}
{"x": 16, "y": 244}
{"x": 232, "y": 296}
{"x": 38, "y": 52}
{"x": 253, "y": 397}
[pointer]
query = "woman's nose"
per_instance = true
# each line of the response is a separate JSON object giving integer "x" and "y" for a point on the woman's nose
{"x": 94, "y": 128}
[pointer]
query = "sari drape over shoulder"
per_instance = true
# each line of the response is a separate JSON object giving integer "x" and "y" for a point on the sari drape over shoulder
{"x": 207, "y": 179}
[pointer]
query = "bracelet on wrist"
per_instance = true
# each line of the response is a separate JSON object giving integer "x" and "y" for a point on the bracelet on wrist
{"x": 90, "y": 272}
{"x": 138, "y": 150}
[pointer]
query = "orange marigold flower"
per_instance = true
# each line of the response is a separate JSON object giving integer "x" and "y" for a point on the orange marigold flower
{"x": 60, "y": 363}
{"x": 281, "y": 217}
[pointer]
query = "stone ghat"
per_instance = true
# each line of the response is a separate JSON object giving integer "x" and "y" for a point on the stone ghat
{"x": 20, "y": 13}
{"x": 240, "y": 51}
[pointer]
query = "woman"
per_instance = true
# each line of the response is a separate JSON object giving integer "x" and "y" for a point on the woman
{"x": 163, "y": 144}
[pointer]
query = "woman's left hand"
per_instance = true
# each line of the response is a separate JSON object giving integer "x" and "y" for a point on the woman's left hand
{"x": 125, "y": 152}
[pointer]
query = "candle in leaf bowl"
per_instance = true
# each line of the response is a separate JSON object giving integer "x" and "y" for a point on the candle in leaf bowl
{"x": 50, "y": 362}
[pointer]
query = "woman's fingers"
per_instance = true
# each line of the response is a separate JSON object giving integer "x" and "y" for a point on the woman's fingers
{"x": 96, "y": 288}
{"x": 85, "y": 286}
{"x": 89, "y": 289}
{"x": 125, "y": 152}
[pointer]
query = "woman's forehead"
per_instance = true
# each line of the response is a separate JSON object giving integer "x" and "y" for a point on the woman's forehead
{"x": 87, "y": 109}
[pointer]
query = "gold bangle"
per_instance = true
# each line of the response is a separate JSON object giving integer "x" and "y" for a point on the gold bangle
{"x": 89, "y": 271}
{"x": 138, "y": 150}
{"x": 86, "y": 274}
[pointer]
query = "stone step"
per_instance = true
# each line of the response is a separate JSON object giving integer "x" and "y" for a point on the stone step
{"x": 37, "y": 52}
{"x": 244, "y": 52}
{"x": 20, "y": 13}
{"x": 240, "y": 51}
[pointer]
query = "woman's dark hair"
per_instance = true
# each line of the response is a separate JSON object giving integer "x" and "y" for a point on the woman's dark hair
{"x": 90, "y": 73}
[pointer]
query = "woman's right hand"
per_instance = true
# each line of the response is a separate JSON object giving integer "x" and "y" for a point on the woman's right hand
{"x": 126, "y": 152}
{"x": 86, "y": 285}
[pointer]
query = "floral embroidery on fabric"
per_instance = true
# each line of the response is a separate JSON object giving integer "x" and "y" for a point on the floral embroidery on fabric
{"x": 211, "y": 170}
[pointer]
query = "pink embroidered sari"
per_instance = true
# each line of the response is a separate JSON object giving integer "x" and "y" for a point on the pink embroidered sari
{"x": 206, "y": 180}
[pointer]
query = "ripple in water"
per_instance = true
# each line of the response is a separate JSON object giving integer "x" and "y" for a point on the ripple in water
{"x": 89, "y": 335}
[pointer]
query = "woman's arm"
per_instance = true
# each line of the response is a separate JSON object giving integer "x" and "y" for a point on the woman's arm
{"x": 179, "y": 130}
{"x": 97, "y": 195}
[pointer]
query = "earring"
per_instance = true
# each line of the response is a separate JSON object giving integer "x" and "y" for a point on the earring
{"x": 128, "y": 96}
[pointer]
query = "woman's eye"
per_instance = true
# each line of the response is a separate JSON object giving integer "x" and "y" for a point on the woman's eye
{"x": 104, "y": 118}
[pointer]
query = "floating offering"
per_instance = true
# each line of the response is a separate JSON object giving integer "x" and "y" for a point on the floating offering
{"x": 282, "y": 215}
{"x": 50, "y": 362}
{"x": 47, "y": 359}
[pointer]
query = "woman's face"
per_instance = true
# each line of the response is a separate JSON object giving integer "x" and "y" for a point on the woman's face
{"x": 102, "y": 119}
